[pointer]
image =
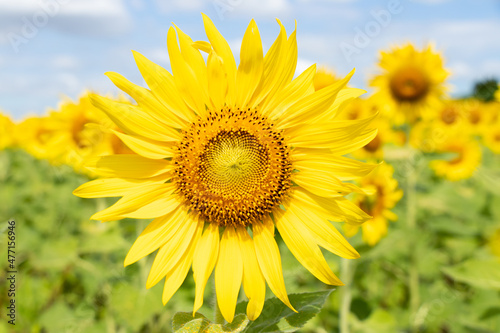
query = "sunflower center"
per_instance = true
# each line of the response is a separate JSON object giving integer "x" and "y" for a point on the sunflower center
{"x": 233, "y": 163}
{"x": 474, "y": 116}
{"x": 409, "y": 85}
{"x": 449, "y": 115}
{"x": 232, "y": 167}
{"x": 373, "y": 145}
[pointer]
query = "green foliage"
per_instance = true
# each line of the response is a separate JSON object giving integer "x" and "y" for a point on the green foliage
{"x": 275, "y": 317}
{"x": 71, "y": 276}
{"x": 478, "y": 273}
{"x": 485, "y": 90}
{"x": 183, "y": 322}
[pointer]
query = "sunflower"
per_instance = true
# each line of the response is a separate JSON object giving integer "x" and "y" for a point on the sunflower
{"x": 386, "y": 134}
{"x": 85, "y": 131}
{"x": 34, "y": 135}
{"x": 411, "y": 82}
{"x": 387, "y": 194}
{"x": 466, "y": 159}
{"x": 323, "y": 78}
{"x": 7, "y": 130}
{"x": 491, "y": 137}
{"x": 237, "y": 151}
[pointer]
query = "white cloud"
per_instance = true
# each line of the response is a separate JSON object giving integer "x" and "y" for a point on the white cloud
{"x": 63, "y": 61}
{"x": 88, "y": 17}
{"x": 68, "y": 80}
{"x": 159, "y": 56}
{"x": 245, "y": 8}
{"x": 431, "y": 2}
{"x": 180, "y": 5}
{"x": 302, "y": 65}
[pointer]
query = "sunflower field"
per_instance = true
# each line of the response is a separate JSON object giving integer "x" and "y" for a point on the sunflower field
{"x": 264, "y": 199}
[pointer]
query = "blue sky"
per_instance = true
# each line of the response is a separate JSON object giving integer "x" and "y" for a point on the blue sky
{"x": 55, "y": 48}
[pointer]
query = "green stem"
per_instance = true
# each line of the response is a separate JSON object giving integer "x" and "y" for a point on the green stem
{"x": 346, "y": 274}
{"x": 411, "y": 218}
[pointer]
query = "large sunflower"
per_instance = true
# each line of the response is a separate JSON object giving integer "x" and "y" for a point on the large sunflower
{"x": 236, "y": 151}
{"x": 411, "y": 82}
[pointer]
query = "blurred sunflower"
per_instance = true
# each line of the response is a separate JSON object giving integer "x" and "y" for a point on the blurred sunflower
{"x": 323, "y": 78}
{"x": 34, "y": 135}
{"x": 232, "y": 150}
{"x": 479, "y": 115}
{"x": 85, "y": 131}
{"x": 491, "y": 137}
{"x": 411, "y": 82}
{"x": 465, "y": 162}
{"x": 7, "y": 131}
{"x": 362, "y": 108}
{"x": 387, "y": 194}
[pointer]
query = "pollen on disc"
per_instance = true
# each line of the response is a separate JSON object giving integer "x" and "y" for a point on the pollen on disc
{"x": 232, "y": 167}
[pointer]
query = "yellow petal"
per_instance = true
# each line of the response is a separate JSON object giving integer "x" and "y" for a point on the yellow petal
{"x": 172, "y": 251}
{"x": 203, "y": 46}
{"x": 195, "y": 61}
{"x": 185, "y": 78}
{"x": 145, "y": 98}
{"x": 144, "y": 147}
{"x": 269, "y": 259}
{"x": 205, "y": 257}
{"x": 272, "y": 68}
{"x": 324, "y": 233}
{"x": 133, "y": 201}
{"x": 341, "y": 137}
{"x": 303, "y": 246}
{"x": 177, "y": 275}
{"x": 132, "y": 119}
{"x": 254, "y": 283}
{"x": 279, "y": 64}
{"x": 312, "y": 106}
{"x": 322, "y": 182}
{"x": 251, "y": 65}
{"x": 343, "y": 99}
{"x": 160, "y": 206}
{"x": 228, "y": 273}
{"x": 155, "y": 235}
{"x": 341, "y": 167}
{"x": 221, "y": 47}
{"x": 127, "y": 166}
{"x": 301, "y": 86}
{"x": 162, "y": 84}
{"x": 217, "y": 82}
{"x": 333, "y": 209}
{"x": 112, "y": 187}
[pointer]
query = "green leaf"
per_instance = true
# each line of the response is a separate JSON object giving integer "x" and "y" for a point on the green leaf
{"x": 379, "y": 321}
{"x": 478, "y": 273}
{"x": 184, "y": 322}
{"x": 277, "y": 317}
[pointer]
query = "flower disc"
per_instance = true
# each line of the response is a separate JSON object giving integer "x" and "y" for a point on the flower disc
{"x": 234, "y": 175}
{"x": 409, "y": 84}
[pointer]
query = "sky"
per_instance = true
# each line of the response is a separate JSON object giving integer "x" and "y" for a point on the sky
{"x": 55, "y": 49}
